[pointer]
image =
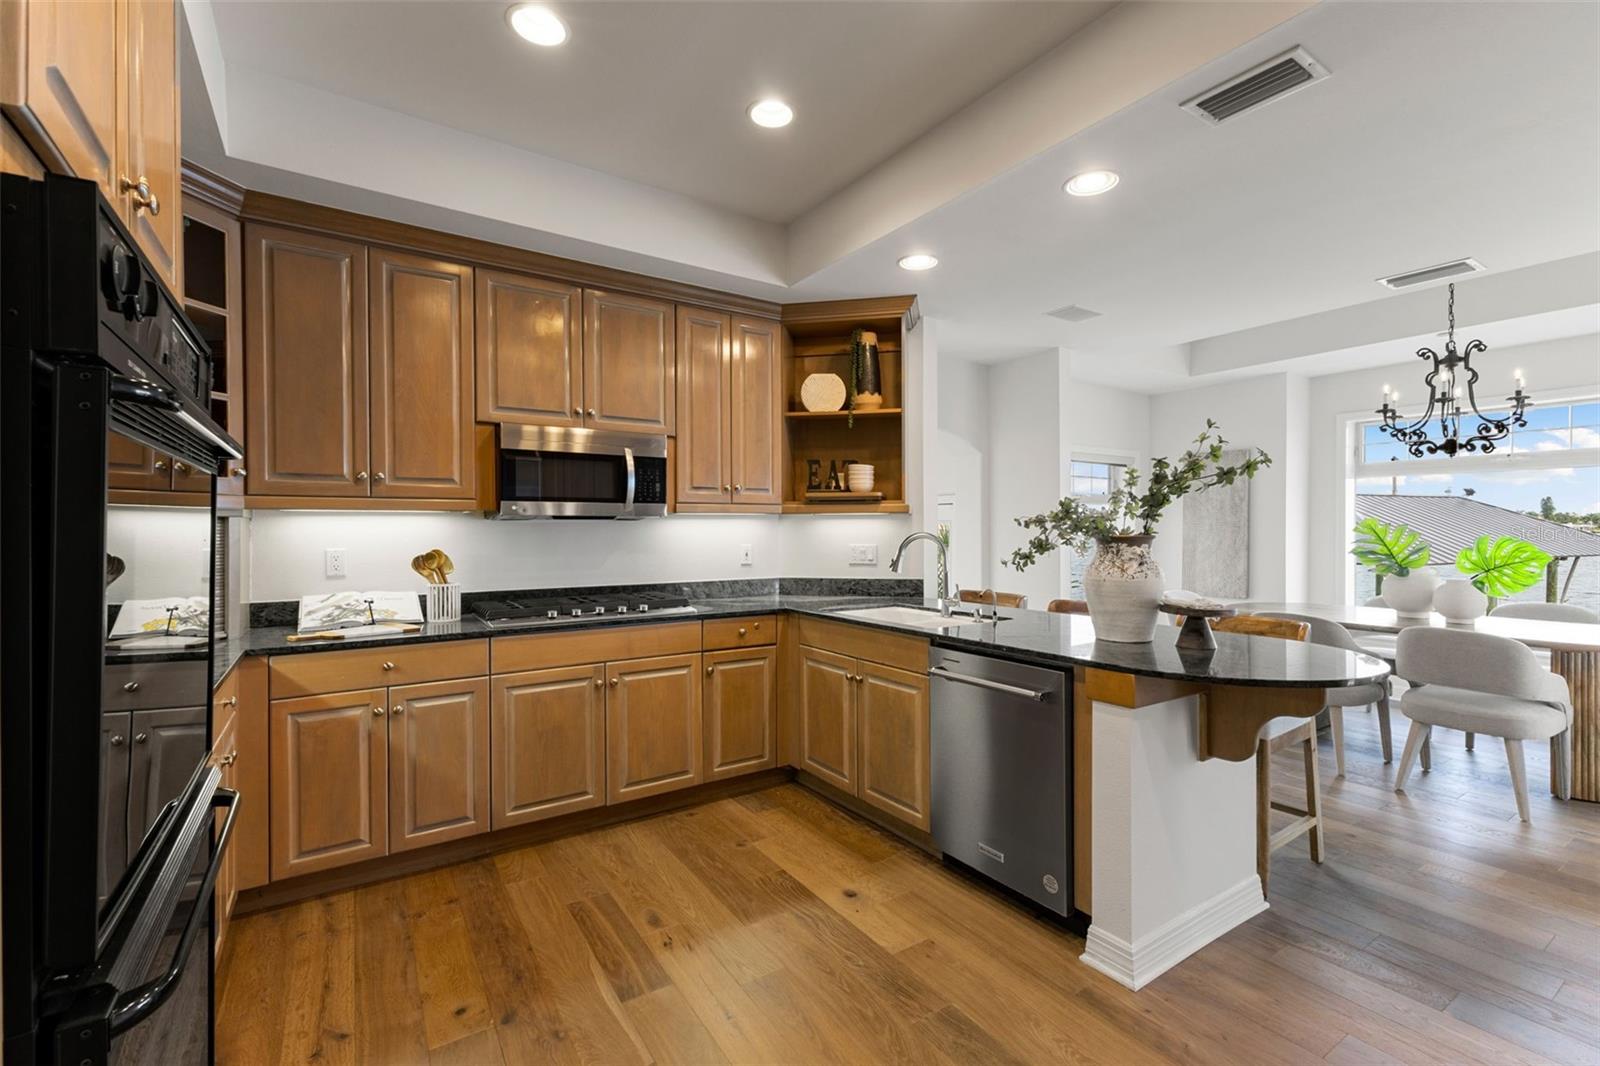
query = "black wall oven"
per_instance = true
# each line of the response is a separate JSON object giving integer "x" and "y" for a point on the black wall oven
{"x": 114, "y": 822}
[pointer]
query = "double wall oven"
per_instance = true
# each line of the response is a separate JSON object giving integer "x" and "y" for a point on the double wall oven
{"x": 114, "y": 821}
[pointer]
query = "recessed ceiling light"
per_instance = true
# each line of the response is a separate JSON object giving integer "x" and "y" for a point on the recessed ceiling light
{"x": 1091, "y": 183}
{"x": 537, "y": 24}
{"x": 918, "y": 262}
{"x": 771, "y": 113}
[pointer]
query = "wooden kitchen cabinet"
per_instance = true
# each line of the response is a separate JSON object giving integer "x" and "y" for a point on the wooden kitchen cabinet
{"x": 741, "y": 690}
{"x": 892, "y": 710}
{"x": 438, "y": 762}
{"x": 421, "y": 371}
{"x": 306, "y": 428}
{"x": 653, "y": 728}
{"x": 225, "y": 892}
{"x": 329, "y": 767}
{"x": 115, "y": 728}
{"x": 167, "y": 743}
{"x": 728, "y": 412}
{"x": 548, "y": 738}
{"x": 529, "y": 349}
{"x": 828, "y": 716}
{"x": 131, "y": 465}
{"x": 150, "y": 173}
{"x": 630, "y": 363}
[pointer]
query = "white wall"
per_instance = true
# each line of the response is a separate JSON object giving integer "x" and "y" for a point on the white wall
{"x": 164, "y": 548}
{"x": 1024, "y": 467}
{"x": 1254, "y": 413}
{"x": 960, "y": 471}
{"x": 1570, "y": 366}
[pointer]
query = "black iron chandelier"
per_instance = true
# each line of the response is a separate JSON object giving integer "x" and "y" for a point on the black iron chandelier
{"x": 1451, "y": 381}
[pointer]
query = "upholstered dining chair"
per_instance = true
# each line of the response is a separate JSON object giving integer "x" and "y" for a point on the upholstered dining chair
{"x": 1281, "y": 733}
{"x": 1069, "y": 606}
{"x": 1482, "y": 683}
{"x": 1376, "y": 694}
{"x": 992, "y": 598}
{"x": 1547, "y": 612}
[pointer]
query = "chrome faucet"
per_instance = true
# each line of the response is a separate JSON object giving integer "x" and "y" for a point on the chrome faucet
{"x": 945, "y": 602}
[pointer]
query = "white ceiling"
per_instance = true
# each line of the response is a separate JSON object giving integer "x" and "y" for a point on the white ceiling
{"x": 1445, "y": 130}
{"x": 656, "y": 92}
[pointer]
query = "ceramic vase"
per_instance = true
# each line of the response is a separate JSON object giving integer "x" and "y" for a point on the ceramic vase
{"x": 1460, "y": 602}
{"x": 1123, "y": 585}
{"x": 869, "y": 387}
{"x": 1411, "y": 596}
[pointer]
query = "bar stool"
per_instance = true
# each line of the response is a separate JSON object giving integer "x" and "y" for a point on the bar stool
{"x": 1069, "y": 606}
{"x": 993, "y": 598}
{"x": 1376, "y": 694}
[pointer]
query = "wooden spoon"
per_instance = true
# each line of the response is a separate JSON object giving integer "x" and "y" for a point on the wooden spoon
{"x": 419, "y": 563}
{"x": 446, "y": 568}
{"x": 430, "y": 559}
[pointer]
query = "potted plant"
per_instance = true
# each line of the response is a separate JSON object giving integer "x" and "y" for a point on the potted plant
{"x": 1495, "y": 567}
{"x": 1123, "y": 583}
{"x": 1397, "y": 555}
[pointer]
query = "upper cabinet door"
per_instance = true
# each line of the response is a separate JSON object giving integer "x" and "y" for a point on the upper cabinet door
{"x": 421, "y": 369}
{"x": 131, "y": 465}
{"x": 629, "y": 363}
{"x": 704, "y": 473}
{"x": 306, "y": 363}
{"x": 529, "y": 350}
{"x": 438, "y": 762}
{"x": 59, "y": 83}
{"x": 753, "y": 408}
{"x": 148, "y": 179}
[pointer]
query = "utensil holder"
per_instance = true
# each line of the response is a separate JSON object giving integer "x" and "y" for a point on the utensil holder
{"x": 444, "y": 603}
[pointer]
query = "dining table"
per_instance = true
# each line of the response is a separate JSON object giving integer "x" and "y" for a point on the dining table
{"x": 1573, "y": 648}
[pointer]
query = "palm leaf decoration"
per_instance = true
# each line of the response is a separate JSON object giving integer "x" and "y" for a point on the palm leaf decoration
{"x": 1504, "y": 566}
{"x": 1387, "y": 549}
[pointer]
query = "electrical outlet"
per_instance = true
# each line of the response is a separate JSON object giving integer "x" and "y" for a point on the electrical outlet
{"x": 333, "y": 562}
{"x": 746, "y": 555}
{"x": 863, "y": 555}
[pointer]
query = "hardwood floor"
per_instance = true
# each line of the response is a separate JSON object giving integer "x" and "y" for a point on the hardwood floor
{"x": 774, "y": 928}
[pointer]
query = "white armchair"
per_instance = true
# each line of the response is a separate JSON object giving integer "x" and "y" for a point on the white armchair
{"x": 1547, "y": 612}
{"x": 1481, "y": 683}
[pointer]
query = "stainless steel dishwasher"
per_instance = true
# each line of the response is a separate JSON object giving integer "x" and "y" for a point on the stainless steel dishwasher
{"x": 1002, "y": 772}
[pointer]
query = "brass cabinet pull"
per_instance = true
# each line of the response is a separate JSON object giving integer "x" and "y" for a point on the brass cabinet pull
{"x": 377, "y": 712}
{"x": 741, "y": 631}
{"x": 141, "y": 738}
{"x": 180, "y": 467}
{"x": 727, "y": 488}
{"x": 143, "y": 198}
{"x": 599, "y": 682}
{"x": 378, "y": 476}
{"x": 755, "y": 625}
{"x": 130, "y": 686}
{"x": 710, "y": 668}
{"x": 117, "y": 740}
{"x": 738, "y": 487}
{"x": 161, "y": 464}
{"x": 388, "y": 666}
{"x": 591, "y": 412}
{"x": 240, "y": 471}
{"x": 231, "y": 701}
{"x": 578, "y": 411}
{"x": 361, "y": 475}
{"x": 613, "y": 682}
{"x": 398, "y": 709}
{"x": 229, "y": 759}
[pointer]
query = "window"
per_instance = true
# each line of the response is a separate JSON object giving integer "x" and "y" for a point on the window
{"x": 1094, "y": 480}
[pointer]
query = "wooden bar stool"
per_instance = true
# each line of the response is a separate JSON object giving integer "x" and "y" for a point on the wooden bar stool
{"x": 992, "y": 598}
{"x": 1281, "y": 733}
{"x": 1069, "y": 606}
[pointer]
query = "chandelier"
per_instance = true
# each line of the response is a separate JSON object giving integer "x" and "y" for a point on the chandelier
{"x": 1451, "y": 381}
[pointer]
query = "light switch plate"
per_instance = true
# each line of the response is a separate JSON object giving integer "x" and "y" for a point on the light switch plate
{"x": 863, "y": 555}
{"x": 333, "y": 562}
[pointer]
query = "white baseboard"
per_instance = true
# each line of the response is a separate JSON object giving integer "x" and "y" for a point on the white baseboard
{"x": 1136, "y": 965}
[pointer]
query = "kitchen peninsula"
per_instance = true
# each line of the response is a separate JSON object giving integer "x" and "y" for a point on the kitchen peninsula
{"x": 1163, "y": 808}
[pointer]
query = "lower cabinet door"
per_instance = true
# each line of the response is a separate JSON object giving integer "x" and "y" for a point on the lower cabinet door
{"x": 652, "y": 726}
{"x": 224, "y": 753}
{"x": 548, "y": 735}
{"x": 115, "y": 726}
{"x": 329, "y": 767}
{"x": 167, "y": 745}
{"x": 893, "y": 711}
{"x": 438, "y": 762}
{"x": 828, "y": 717}
{"x": 740, "y": 707}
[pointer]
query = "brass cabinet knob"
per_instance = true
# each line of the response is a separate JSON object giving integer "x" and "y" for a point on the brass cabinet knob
{"x": 577, "y": 411}
{"x": 143, "y": 198}
{"x": 378, "y": 476}
{"x": 727, "y": 488}
{"x": 591, "y": 412}
{"x": 180, "y": 467}
{"x": 377, "y": 712}
{"x": 738, "y": 487}
{"x": 709, "y": 669}
{"x": 130, "y": 686}
{"x": 397, "y": 709}
{"x": 230, "y": 758}
{"x": 361, "y": 475}
{"x": 755, "y": 625}
{"x": 613, "y": 682}
{"x": 231, "y": 701}
{"x": 141, "y": 738}
{"x": 741, "y": 631}
{"x": 599, "y": 682}
{"x": 388, "y": 666}
{"x": 117, "y": 740}
{"x": 161, "y": 464}
{"x": 240, "y": 471}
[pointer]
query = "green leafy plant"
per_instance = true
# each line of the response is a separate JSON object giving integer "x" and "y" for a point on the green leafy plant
{"x": 1128, "y": 511}
{"x": 1503, "y": 566}
{"x": 1396, "y": 549}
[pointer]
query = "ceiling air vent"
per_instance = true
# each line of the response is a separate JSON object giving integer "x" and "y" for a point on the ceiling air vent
{"x": 1278, "y": 76}
{"x": 1073, "y": 313}
{"x": 1433, "y": 273}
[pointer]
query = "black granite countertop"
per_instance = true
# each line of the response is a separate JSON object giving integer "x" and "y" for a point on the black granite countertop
{"x": 1052, "y": 640}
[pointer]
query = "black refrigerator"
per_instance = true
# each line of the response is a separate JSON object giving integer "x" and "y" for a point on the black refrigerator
{"x": 113, "y": 821}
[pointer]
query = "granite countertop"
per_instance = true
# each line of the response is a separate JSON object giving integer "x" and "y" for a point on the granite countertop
{"x": 1061, "y": 641}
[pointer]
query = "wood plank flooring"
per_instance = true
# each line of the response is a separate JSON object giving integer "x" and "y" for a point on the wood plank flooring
{"x": 774, "y": 928}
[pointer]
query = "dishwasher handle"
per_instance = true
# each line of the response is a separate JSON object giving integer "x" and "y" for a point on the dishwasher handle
{"x": 983, "y": 682}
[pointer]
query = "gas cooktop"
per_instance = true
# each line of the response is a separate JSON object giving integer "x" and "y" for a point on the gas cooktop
{"x": 564, "y": 609}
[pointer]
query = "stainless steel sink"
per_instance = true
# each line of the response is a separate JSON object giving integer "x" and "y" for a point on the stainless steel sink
{"x": 920, "y": 617}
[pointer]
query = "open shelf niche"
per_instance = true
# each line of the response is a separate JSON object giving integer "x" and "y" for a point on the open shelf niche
{"x": 817, "y": 340}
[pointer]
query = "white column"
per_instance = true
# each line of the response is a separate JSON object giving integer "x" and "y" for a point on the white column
{"x": 1174, "y": 857}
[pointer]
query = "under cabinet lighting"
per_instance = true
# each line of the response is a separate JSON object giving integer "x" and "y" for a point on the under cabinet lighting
{"x": 537, "y": 24}
{"x": 1091, "y": 183}
{"x": 918, "y": 262}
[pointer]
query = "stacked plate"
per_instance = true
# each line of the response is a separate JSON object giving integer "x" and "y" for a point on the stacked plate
{"x": 860, "y": 477}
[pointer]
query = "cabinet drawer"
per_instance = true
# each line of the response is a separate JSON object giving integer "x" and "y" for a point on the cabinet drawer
{"x": 865, "y": 642}
{"x": 579, "y": 647}
{"x": 136, "y": 686}
{"x": 311, "y": 673}
{"x": 724, "y": 633}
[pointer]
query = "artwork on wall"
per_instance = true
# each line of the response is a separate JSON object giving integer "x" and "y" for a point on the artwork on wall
{"x": 1216, "y": 537}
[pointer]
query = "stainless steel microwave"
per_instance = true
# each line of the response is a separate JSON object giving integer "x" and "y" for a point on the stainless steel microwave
{"x": 548, "y": 472}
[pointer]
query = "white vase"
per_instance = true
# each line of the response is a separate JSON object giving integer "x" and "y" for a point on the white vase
{"x": 1123, "y": 585}
{"x": 1411, "y": 596}
{"x": 1459, "y": 601}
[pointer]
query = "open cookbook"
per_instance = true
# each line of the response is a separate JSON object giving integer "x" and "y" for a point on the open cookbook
{"x": 352, "y": 610}
{"x": 174, "y": 621}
